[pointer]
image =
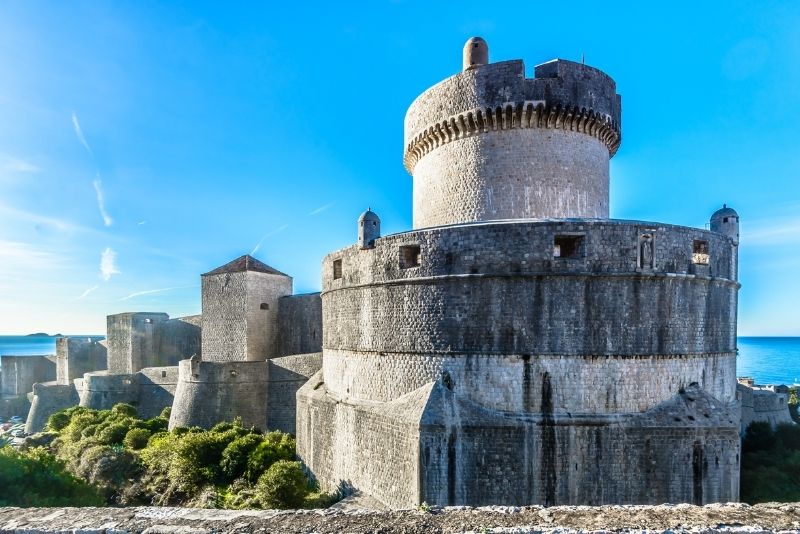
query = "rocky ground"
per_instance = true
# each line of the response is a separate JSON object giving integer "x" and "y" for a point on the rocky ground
{"x": 665, "y": 518}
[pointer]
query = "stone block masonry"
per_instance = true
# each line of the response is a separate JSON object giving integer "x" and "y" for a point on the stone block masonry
{"x": 240, "y": 310}
{"x": 139, "y": 340}
{"x": 518, "y": 346}
{"x": 20, "y": 373}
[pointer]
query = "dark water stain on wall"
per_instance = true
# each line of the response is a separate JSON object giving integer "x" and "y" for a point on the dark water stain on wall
{"x": 547, "y": 470}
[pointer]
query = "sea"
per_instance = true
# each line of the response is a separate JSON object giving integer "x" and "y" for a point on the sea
{"x": 769, "y": 360}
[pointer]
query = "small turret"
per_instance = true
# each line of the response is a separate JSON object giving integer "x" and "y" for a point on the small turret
{"x": 726, "y": 221}
{"x": 369, "y": 229}
{"x": 476, "y": 53}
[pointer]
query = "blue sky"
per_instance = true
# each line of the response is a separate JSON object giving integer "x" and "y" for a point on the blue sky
{"x": 144, "y": 143}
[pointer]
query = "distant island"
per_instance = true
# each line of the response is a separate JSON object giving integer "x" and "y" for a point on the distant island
{"x": 42, "y": 334}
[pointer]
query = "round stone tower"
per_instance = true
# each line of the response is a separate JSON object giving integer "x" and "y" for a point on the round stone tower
{"x": 491, "y": 144}
{"x": 726, "y": 221}
{"x": 369, "y": 229}
{"x": 517, "y": 346}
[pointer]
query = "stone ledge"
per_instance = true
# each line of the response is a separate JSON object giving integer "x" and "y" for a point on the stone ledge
{"x": 731, "y": 517}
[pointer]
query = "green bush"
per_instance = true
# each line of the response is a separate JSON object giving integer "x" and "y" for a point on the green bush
{"x": 758, "y": 437}
{"x": 124, "y": 410}
{"x": 283, "y": 485}
{"x": 57, "y": 421}
{"x": 166, "y": 412}
{"x": 276, "y": 446}
{"x": 236, "y": 455}
{"x": 112, "y": 434}
{"x": 36, "y": 478}
{"x": 131, "y": 461}
{"x": 136, "y": 438}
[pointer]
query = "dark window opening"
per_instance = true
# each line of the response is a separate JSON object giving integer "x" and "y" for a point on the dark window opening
{"x": 264, "y": 306}
{"x": 700, "y": 252}
{"x": 567, "y": 246}
{"x": 725, "y": 219}
{"x": 448, "y": 258}
{"x": 163, "y": 374}
{"x": 410, "y": 256}
{"x": 337, "y": 269}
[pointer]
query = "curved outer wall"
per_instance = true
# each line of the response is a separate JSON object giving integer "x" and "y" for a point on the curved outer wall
{"x": 489, "y": 144}
{"x": 569, "y": 372}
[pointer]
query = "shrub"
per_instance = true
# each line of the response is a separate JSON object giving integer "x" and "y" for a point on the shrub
{"x": 89, "y": 431}
{"x": 283, "y": 485}
{"x": 758, "y": 437}
{"x": 107, "y": 468}
{"x": 262, "y": 458}
{"x": 166, "y": 412}
{"x": 112, "y": 434}
{"x": 124, "y": 410}
{"x": 789, "y": 435}
{"x": 36, "y": 478}
{"x": 236, "y": 455}
{"x": 57, "y": 421}
{"x": 136, "y": 438}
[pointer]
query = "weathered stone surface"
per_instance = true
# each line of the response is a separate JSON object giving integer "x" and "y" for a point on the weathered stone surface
{"x": 240, "y": 311}
{"x": 666, "y": 518}
{"x": 299, "y": 327}
{"x": 490, "y": 144}
{"x": 139, "y": 340}
{"x": 518, "y": 347}
{"x": 762, "y": 404}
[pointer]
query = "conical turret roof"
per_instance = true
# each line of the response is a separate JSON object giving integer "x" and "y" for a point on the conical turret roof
{"x": 245, "y": 263}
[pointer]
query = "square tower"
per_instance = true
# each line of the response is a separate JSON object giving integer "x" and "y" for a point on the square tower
{"x": 240, "y": 310}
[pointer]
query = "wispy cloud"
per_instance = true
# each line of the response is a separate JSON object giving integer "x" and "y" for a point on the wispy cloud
{"x": 79, "y": 133}
{"x": 151, "y": 291}
{"x": 23, "y": 256}
{"x": 772, "y": 231}
{"x": 101, "y": 202}
{"x": 322, "y": 208}
{"x": 268, "y": 234}
{"x": 86, "y": 293}
{"x": 18, "y": 165}
{"x": 140, "y": 223}
{"x": 108, "y": 264}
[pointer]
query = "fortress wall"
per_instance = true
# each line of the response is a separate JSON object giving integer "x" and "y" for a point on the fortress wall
{"x": 511, "y": 174}
{"x": 585, "y": 384}
{"x": 299, "y": 324}
{"x": 139, "y": 340}
{"x": 210, "y": 392}
{"x": 526, "y": 248}
{"x": 20, "y": 373}
{"x": 444, "y": 450}
{"x": 11, "y": 406}
{"x": 131, "y": 342}
{"x": 175, "y": 340}
{"x": 762, "y": 405}
{"x": 102, "y": 391}
{"x": 156, "y": 390}
{"x": 47, "y": 399}
{"x": 286, "y": 376}
{"x": 76, "y": 356}
{"x": 349, "y": 448}
{"x": 236, "y": 326}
